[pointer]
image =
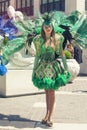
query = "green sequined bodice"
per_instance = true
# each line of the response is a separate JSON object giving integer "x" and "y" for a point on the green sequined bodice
{"x": 47, "y": 54}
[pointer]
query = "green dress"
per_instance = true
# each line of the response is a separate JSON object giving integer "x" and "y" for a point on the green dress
{"x": 48, "y": 73}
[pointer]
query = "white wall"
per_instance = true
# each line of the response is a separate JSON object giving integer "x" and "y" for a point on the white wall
{"x": 70, "y": 5}
{"x": 80, "y": 5}
{"x": 36, "y": 7}
{"x": 83, "y": 66}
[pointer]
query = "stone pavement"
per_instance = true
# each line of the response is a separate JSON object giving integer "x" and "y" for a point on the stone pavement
{"x": 26, "y": 112}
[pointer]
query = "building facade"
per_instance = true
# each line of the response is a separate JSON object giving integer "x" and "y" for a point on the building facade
{"x": 86, "y": 5}
{"x": 32, "y": 7}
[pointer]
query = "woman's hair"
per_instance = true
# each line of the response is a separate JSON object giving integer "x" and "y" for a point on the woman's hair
{"x": 43, "y": 33}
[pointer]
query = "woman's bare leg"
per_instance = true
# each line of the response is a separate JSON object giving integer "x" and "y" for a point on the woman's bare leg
{"x": 47, "y": 105}
{"x": 51, "y": 101}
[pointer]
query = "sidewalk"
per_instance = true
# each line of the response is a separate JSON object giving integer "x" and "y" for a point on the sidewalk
{"x": 26, "y": 112}
{"x": 57, "y": 126}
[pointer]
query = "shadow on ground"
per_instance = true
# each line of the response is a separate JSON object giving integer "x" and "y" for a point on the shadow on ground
{"x": 17, "y": 121}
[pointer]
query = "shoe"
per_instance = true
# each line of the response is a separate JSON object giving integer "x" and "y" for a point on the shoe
{"x": 49, "y": 123}
{"x": 44, "y": 121}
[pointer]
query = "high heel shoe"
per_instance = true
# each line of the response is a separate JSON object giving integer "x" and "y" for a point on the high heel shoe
{"x": 44, "y": 121}
{"x": 49, "y": 123}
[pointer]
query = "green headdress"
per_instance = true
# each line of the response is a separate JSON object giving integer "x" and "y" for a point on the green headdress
{"x": 47, "y": 17}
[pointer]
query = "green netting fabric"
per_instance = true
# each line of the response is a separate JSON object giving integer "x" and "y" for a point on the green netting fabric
{"x": 11, "y": 47}
{"x": 79, "y": 31}
{"x": 48, "y": 83}
{"x": 25, "y": 27}
{"x": 73, "y": 17}
{"x": 78, "y": 25}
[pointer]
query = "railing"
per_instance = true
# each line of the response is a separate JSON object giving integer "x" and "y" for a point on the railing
{"x": 3, "y": 6}
{"x": 26, "y": 10}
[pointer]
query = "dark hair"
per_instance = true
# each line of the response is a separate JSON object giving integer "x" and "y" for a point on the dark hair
{"x": 43, "y": 33}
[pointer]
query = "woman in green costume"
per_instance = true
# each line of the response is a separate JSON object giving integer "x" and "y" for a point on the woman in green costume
{"x": 48, "y": 74}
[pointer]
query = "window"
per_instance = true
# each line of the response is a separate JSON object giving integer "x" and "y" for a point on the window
{"x": 23, "y": 3}
{"x": 2, "y": 0}
{"x": 18, "y": 5}
{"x": 44, "y": 1}
{"x": 50, "y": 1}
{"x": 25, "y": 6}
{"x": 28, "y": 3}
{"x": 51, "y": 5}
{"x": 3, "y": 6}
{"x": 56, "y": 0}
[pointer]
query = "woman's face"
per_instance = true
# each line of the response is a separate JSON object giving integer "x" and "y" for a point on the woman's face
{"x": 47, "y": 29}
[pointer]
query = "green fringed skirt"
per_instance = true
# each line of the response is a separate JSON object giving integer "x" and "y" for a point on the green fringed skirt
{"x": 50, "y": 75}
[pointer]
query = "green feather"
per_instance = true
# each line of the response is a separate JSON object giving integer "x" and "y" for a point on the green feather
{"x": 47, "y": 17}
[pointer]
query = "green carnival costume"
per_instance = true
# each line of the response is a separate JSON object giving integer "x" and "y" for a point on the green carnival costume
{"x": 48, "y": 72}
